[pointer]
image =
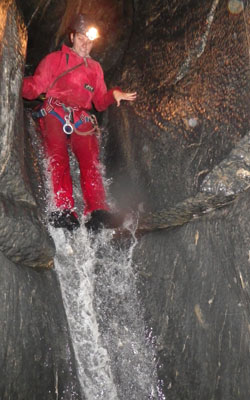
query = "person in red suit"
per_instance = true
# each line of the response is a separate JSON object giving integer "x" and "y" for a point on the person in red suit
{"x": 72, "y": 81}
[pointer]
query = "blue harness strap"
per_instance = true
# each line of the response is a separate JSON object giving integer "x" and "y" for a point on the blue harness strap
{"x": 42, "y": 113}
{"x": 78, "y": 123}
{"x": 57, "y": 116}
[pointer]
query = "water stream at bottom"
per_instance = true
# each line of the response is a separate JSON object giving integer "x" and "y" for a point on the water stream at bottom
{"x": 115, "y": 359}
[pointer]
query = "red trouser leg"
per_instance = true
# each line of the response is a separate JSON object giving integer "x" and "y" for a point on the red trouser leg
{"x": 56, "y": 148}
{"x": 87, "y": 151}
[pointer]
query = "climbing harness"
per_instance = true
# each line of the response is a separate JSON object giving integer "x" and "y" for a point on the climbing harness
{"x": 68, "y": 124}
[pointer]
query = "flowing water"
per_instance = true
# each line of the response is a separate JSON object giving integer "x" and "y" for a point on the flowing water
{"x": 115, "y": 360}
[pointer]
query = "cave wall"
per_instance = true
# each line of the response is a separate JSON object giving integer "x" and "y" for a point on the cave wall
{"x": 36, "y": 357}
{"x": 42, "y": 20}
{"x": 192, "y": 80}
{"x": 23, "y": 238}
{"x": 194, "y": 282}
{"x": 180, "y": 156}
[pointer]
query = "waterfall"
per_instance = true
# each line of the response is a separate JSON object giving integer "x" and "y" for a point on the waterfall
{"x": 98, "y": 283}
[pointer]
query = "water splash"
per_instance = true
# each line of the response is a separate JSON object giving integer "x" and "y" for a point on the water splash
{"x": 115, "y": 361}
{"x": 75, "y": 266}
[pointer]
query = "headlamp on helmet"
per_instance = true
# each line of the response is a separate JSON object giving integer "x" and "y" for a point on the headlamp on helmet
{"x": 92, "y": 33}
{"x": 84, "y": 24}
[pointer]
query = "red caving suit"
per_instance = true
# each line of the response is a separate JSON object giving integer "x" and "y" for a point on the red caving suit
{"x": 77, "y": 89}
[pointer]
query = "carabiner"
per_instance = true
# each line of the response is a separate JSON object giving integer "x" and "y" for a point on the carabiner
{"x": 68, "y": 127}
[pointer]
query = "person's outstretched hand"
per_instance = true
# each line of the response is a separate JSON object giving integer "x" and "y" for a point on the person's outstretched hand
{"x": 123, "y": 96}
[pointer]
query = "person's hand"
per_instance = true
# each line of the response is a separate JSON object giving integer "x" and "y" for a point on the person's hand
{"x": 118, "y": 95}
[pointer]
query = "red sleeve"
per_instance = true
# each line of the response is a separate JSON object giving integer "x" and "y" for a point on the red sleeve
{"x": 102, "y": 98}
{"x": 39, "y": 82}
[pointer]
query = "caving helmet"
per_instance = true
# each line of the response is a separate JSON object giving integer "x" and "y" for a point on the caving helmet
{"x": 84, "y": 24}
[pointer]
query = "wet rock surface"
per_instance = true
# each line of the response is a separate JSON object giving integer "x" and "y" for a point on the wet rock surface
{"x": 36, "y": 353}
{"x": 191, "y": 76}
{"x": 232, "y": 175}
{"x": 220, "y": 187}
{"x": 23, "y": 238}
{"x": 181, "y": 156}
{"x": 195, "y": 284}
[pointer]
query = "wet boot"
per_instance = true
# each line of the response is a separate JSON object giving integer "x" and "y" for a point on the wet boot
{"x": 64, "y": 219}
{"x": 100, "y": 219}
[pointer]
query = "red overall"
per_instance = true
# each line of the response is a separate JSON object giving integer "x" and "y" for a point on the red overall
{"x": 77, "y": 89}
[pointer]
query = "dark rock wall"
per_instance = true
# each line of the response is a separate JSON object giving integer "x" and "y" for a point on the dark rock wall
{"x": 42, "y": 19}
{"x": 36, "y": 356}
{"x": 192, "y": 79}
{"x": 181, "y": 153}
{"x": 194, "y": 282}
{"x": 23, "y": 238}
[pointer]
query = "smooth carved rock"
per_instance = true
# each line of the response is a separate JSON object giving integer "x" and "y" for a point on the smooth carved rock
{"x": 36, "y": 355}
{"x": 178, "y": 130}
{"x": 195, "y": 284}
{"x": 181, "y": 156}
{"x": 220, "y": 187}
{"x": 23, "y": 237}
{"x": 232, "y": 175}
{"x": 36, "y": 352}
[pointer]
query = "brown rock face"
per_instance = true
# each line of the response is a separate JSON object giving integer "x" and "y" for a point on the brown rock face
{"x": 189, "y": 64}
{"x": 23, "y": 238}
{"x": 181, "y": 152}
{"x": 36, "y": 348}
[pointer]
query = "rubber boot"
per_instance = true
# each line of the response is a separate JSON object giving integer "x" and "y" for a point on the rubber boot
{"x": 100, "y": 219}
{"x": 64, "y": 219}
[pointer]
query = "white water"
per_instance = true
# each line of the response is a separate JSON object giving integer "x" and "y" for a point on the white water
{"x": 115, "y": 360}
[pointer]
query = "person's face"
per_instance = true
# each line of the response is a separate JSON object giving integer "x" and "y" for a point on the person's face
{"x": 81, "y": 44}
